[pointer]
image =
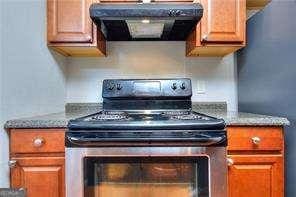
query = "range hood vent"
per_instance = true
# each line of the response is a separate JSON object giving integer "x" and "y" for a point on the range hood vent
{"x": 136, "y": 22}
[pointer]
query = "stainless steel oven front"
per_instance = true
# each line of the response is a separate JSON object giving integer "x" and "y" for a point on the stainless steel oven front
{"x": 146, "y": 172}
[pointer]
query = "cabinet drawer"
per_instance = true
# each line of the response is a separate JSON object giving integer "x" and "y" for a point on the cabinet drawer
{"x": 255, "y": 138}
{"x": 37, "y": 140}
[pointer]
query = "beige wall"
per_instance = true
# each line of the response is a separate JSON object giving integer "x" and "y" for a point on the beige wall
{"x": 32, "y": 78}
{"x": 152, "y": 60}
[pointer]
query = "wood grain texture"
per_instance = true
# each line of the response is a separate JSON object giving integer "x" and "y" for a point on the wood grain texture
{"x": 240, "y": 138}
{"x": 256, "y": 176}
{"x": 70, "y": 30}
{"x": 69, "y": 21}
{"x": 211, "y": 51}
{"x": 257, "y": 4}
{"x": 221, "y": 30}
{"x": 22, "y": 140}
{"x": 223, "y": 21}
{"x": 41, "y": 176}
{"x": 78, "y": 51}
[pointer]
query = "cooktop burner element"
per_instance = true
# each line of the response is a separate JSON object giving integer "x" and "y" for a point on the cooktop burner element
{"x": 107, "y": 115}
{"x": 146, "y": 111}
{"x": 186, "y": 115}
{"x": 144, "y": 116}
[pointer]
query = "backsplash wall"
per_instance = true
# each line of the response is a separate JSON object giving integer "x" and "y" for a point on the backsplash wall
{"x": 152, "y": 60}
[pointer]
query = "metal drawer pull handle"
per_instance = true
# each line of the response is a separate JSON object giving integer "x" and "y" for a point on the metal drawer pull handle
{"x": 256, "y": 140}
{"x": 12, "y": 163}
{"x": 38, "y": 142}
{"x": 230, "y": 161}
{"x": 204, "y": 38}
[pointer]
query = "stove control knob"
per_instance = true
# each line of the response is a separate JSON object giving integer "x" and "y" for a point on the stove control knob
{"x": 174, "y": 86}
{"x": 110, "y": 86}
{"x": 118, "y": 86}
{"x": 182, "y": 86}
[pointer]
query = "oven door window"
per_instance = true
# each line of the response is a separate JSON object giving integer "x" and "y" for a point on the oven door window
{"x": 146, "y": 177}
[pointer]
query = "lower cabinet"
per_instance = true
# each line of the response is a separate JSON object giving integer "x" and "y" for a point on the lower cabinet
{"x": 255, "y": 159}
{"x": 41, "y": 176}
{"x": 255, "y": 176}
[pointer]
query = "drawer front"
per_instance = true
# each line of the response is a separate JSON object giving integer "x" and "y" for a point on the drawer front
{"x": 37, "y": 141}
{"x": 255, "y": 138}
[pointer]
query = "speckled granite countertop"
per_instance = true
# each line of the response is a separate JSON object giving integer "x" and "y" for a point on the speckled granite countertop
{"x": 60, "y": 120}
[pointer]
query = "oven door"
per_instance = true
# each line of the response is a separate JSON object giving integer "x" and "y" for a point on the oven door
{"x": 146, "y": 172}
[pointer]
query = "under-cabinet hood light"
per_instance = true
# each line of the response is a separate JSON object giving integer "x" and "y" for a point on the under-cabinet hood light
{"x": 145, "y": 21}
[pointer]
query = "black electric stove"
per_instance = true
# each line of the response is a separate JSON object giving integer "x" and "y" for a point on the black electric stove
{"x": 147, "y": 111}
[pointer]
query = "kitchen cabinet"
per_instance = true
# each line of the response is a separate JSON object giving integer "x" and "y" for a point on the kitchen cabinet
{"x": 221, "y": 30}
{"x": 255, "y": 160}
{"x": 255, "y": 175}
{"x": 70, "y": 30}
{"x": 41, "y": 176}
{"x": 257, "y": 4}
{"x": 37, "y": 161}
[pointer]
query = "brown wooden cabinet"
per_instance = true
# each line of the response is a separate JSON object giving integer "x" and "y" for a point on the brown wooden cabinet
{"x": 41, "y": 176}
{"x": 256, "y": 162}
{"x": 221, "y": 30}
{"x": 255, "y": 157}
{"x": 70, "y": 30}
{"x": 256, "y": 175}
{"x": 37, "y": 161}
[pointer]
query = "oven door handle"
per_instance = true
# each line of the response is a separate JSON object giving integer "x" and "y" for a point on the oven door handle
{"x": 203, "y": 141}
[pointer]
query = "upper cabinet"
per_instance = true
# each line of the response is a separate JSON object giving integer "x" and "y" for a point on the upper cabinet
{"x": 223, "y": 21}
{"x": 221, "y": 29}
{"x": 70, "y": 30}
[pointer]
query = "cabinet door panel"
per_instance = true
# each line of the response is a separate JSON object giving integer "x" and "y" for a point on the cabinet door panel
{"x": 69, "y": 21}
{"x": 41, "y": 176}
{"x": 256, "y": 176}
{"x": 223, "y": 21}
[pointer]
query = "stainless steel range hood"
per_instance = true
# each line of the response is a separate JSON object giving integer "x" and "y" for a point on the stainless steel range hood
{"x": 120, "y": 22}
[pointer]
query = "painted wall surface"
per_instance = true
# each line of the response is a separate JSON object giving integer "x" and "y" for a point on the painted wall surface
{"x": 267, "y": 73}
{"x": 2, "y": 154}
{"x": 152, "y": 60}
{"x": 32, "y": 78}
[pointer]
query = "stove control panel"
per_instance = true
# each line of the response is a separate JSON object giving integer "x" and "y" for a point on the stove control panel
{"x": 147, "y": 88}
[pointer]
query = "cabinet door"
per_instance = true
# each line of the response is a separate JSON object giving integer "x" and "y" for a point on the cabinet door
{"x": 69, "y": 21}
{"x": 223, "y": 21}
{"x": 256, "y": 176}
{"x": 41, "y": 176}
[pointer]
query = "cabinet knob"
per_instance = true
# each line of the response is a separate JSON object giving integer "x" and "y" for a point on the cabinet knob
{"x": 256, "y": 140}
{"x": 12, "y": 163}
{"x": 38, "y": 142}
{"x": 230, "y": 161}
